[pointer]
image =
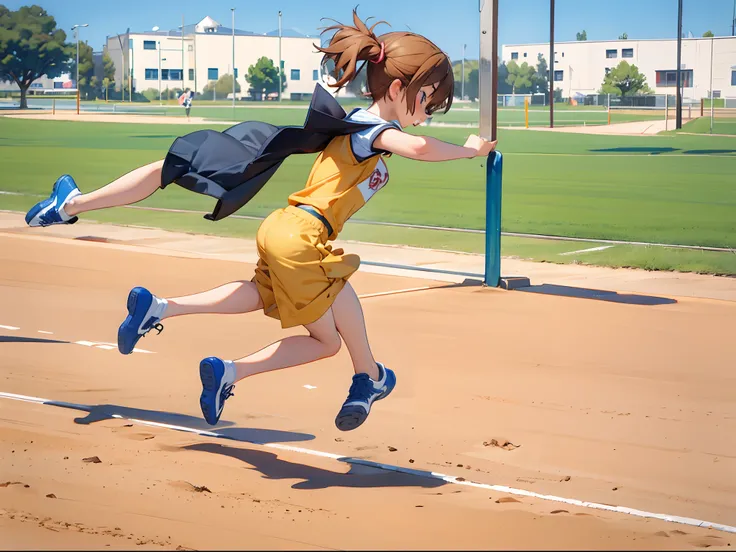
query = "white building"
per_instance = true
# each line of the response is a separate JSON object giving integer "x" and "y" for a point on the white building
{"x": 581, "y": 66}
{"x": 204, "y": 54}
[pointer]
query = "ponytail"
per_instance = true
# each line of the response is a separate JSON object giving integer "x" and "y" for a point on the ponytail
{"x": 409, "y": 57}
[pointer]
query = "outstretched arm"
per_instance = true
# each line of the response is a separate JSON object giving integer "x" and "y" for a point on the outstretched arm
{"x": 426, "y": 148}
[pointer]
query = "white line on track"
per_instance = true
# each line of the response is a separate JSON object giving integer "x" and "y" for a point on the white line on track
{"x": 9, "y": 327}
{"x": 588, "y": 250}
{"x": 399, "y": 469}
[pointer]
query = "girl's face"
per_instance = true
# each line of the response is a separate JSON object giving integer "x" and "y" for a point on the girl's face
{"x": 421, "y": 103}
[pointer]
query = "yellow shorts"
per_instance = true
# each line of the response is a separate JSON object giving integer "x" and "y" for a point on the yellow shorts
{"x": 298, "y": 276}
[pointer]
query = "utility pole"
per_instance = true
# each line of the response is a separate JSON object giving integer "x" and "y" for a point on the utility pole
{"x": 462, "y": 84}
{"x": 281, "y": 69}
{"x": 678, "y": 108}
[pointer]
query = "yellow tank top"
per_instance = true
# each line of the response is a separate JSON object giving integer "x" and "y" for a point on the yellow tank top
{"x": 339, "y": 184}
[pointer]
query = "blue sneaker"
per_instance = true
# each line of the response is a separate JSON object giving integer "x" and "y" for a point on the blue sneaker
{"x": 49, "y": 211}
{"x": 217, "y": 387}
{"x": 144, "y": 314}
{"x": 362, "y": 393}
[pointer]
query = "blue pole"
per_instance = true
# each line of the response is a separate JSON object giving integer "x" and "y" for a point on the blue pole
{"x": 494, "y": 170}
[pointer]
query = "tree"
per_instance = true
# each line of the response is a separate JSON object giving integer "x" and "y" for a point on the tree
{"x": 87, "y": 80}
{"x": 220, "y": 89}
{"x": 540, "y": 81}
{"x": 708, "y": 34}
{"x": 503, "y": 85}
{"x": 625, "y": 80}
{"x": 264, "y": 77}
{"x": 581, "y": 36}
{"x": 472, "y": 87}
{"x": 457, "y": 69}
{"x": 108, "y": 74}
{"x": 30, "y": 46}
{"x": 623, "y": 37}
{"x": 520, "y": 76}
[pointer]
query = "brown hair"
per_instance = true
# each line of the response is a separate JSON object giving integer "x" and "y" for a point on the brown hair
{"x": 409, "y": 57}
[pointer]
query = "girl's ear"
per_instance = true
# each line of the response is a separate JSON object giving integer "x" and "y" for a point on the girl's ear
{"x": 395, "y": 89}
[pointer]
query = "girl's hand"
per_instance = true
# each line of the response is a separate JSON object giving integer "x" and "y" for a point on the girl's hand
{"x": 481, "y": 146}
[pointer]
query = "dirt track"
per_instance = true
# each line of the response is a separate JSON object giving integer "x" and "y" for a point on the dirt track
{"x": 615, "y": 403}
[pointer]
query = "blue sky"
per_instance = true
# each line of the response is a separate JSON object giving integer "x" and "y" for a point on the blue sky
{"x": 449, "y": 24}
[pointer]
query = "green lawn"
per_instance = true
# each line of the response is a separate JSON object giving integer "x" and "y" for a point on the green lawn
{"x": 671, "y": 189}
{"x": 721, "y": 125}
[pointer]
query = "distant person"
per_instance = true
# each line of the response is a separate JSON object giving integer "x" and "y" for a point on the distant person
{"x": 185, "y": 100}
{"x": 300, "y": 279}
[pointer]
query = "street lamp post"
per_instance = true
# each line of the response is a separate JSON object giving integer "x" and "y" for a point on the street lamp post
{"x": 76, "y": 37}
{"x": 281, "y": 70}
{"x": 233, "y": 24}
{"x": 462, "y": 82}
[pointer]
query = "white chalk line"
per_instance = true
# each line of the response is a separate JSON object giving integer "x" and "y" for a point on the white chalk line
{"x": 394, "y": 292}
{"x": 601, "y": 248}
{"x": 400, "y": 469}
{"x": 9, "y": 327}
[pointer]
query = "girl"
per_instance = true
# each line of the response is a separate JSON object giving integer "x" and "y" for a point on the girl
{"x": 299, "y": 279}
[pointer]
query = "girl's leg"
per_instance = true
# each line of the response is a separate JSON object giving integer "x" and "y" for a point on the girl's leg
{"x": 350, "y": 324}
{"x": 129, "y": 188}
{"x": 323, "y": 341}
{"x": 233, "y": 298}
{"x": 145, "y": 310}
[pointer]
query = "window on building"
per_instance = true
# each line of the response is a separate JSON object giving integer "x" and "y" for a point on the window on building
{"x": 36, "y": 85}
{"x": 282, "y": 64}
{"x": 149, "y": 44}
{"x": 236, "y": 72}
{"x": 191, "y": 74}
{"x": 514, "y": 55}
{"x": 559, "y": 75}
{"x": 627, "y": 53}
{"x": 295, "y": 74}
{"x": 611, "y": 54}
{"x": 669, "y": 78}
{"x": 213, "y": 73}
{"x": 164, "y": 74}
{"x": 315, "y": 74}
{"x": 58, "y": 84}
{"x": 151, "y": 74}
{"x": 175, "y": 74}
{"x": 190, "y": 48}
{"x": 608, "y": 70}
{"x": 563, "y": 54}
{"x": 524, "y": 54}
{"x": 733, "y": 78}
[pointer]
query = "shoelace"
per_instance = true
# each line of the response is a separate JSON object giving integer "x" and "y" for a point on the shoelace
{"x": 361, "y": 388}
{"x": 159, "y": 327}
{"x": 227, "y": 392}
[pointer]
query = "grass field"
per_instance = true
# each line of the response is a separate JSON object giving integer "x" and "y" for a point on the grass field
{"x": 721, "y": 125}
{"x": 461, "y": 113}
{"x": 675, "y": 189}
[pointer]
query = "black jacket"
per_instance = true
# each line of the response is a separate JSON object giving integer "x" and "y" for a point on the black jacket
{"x": 232, "y": 166}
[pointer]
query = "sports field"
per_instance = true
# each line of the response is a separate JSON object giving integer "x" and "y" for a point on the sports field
{"x": 594, "y": 414}
{"x": 671, "y": 189}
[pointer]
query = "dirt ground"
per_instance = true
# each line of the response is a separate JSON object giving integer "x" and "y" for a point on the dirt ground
{"x": 620, "y": 404}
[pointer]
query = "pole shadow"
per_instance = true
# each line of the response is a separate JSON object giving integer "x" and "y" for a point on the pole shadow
{"x": 598, "y": 295}
{"x": 312, "y": 478}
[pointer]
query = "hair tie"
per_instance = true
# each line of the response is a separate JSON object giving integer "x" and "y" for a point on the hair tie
{"x": 381, "y": 55}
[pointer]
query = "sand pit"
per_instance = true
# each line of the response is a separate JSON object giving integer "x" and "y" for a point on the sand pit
{"x": 619, "y": 404}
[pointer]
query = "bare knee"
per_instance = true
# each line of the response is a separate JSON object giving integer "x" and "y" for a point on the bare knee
{"x": 331, "y": 344}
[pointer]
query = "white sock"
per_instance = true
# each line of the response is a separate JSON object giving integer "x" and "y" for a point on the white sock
{"x": 230, "y": 371}
{"x": 159, "y": 311}
{"x": 62, "y": 213}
